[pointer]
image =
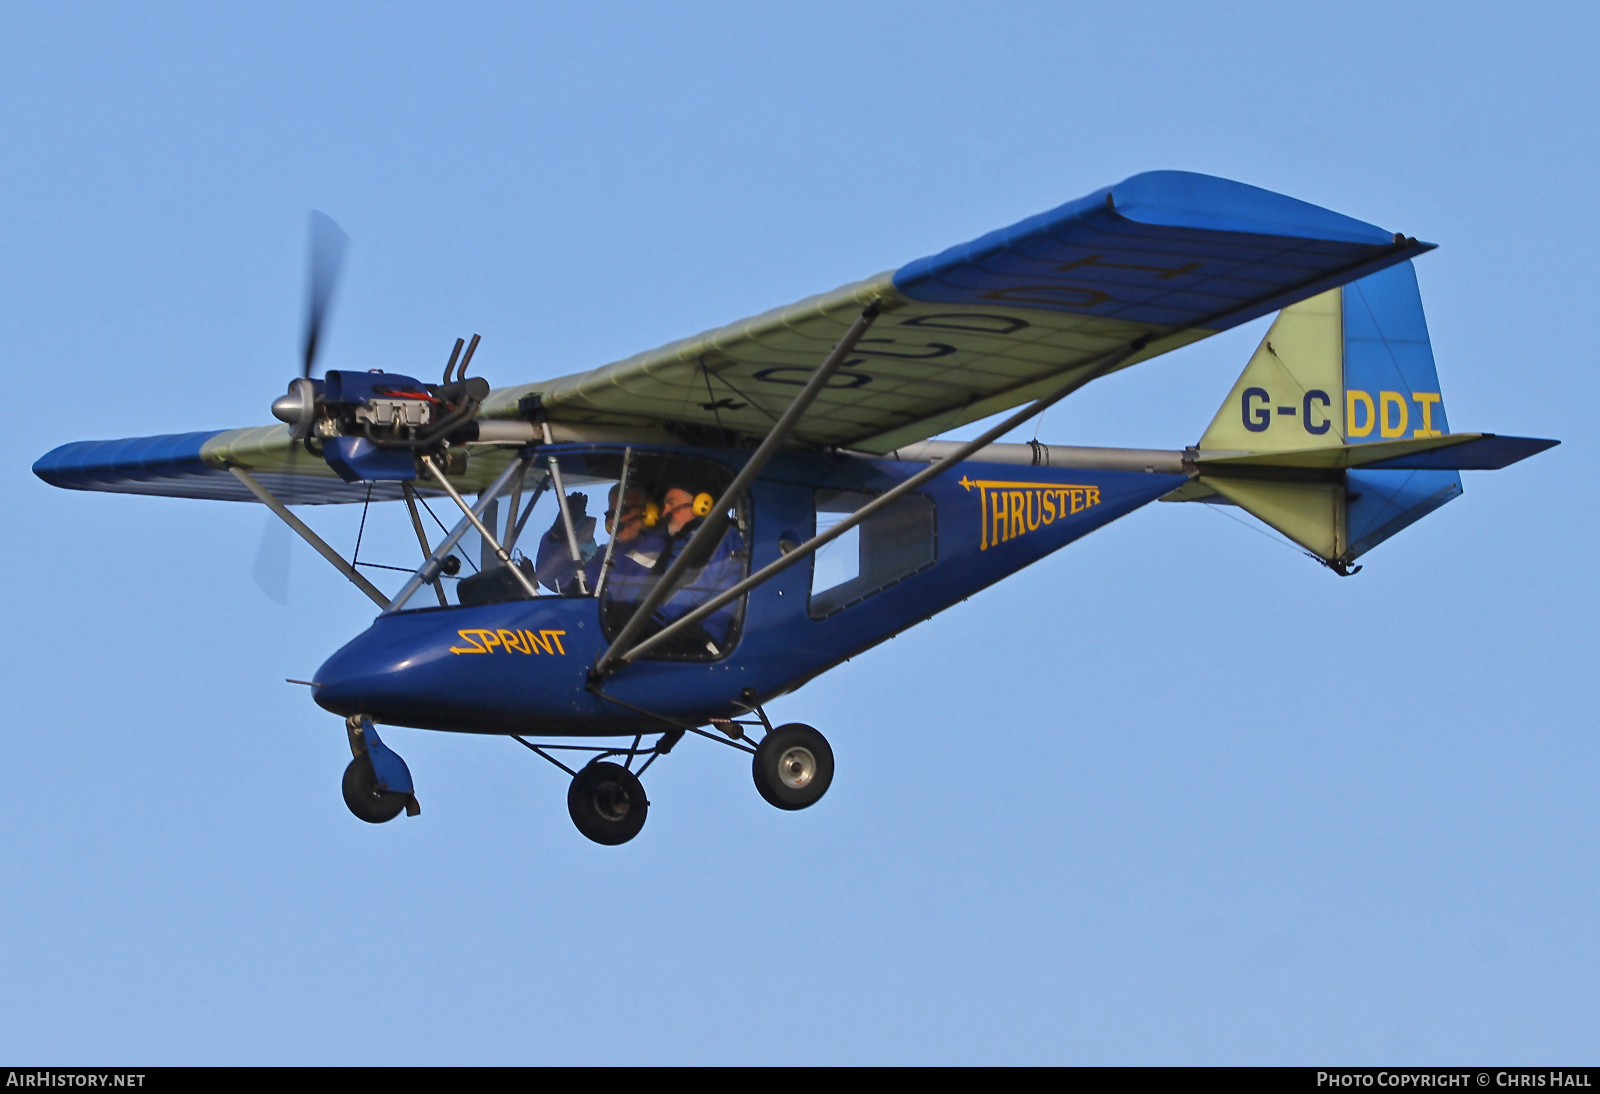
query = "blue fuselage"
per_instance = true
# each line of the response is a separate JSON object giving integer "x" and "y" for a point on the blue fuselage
{"x": 524, "y": 666}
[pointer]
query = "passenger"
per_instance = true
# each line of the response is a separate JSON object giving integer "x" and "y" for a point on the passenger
{"x": 677, "y": 508}
{"x": 684, "y": 512}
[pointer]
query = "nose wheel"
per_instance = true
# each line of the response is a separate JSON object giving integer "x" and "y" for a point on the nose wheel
{"x": 377, "y": 784}
{"x": 365, "y": 798}
{"x": 607, "y": 803}
{"x": 793, "y": 766}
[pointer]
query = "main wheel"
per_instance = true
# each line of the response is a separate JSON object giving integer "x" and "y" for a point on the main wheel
{"x": 607, "y": 803}
{"x": 365, "y": 799}
{"x": 793, "y": 766}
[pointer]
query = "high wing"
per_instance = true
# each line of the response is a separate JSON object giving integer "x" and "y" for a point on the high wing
{"x": 1161, "y": 260}
{"x": 194, "y": 465}
{"x": 1156, "y": 262}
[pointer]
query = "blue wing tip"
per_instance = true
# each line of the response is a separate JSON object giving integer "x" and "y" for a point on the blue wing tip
{"x": 1188, "y": 199}
{"x": 89, "y": 465}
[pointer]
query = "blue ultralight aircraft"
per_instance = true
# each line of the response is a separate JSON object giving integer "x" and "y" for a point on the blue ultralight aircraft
{"x": 774, "y": 502}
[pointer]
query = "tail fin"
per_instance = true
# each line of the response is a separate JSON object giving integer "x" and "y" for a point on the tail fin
{"x": 1336, "y": 433}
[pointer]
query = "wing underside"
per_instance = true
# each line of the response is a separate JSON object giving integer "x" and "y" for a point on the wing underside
{"x": 1161, "y": 260}
{"x": 194, "y": 465}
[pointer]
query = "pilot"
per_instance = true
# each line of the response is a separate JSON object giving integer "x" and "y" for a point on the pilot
{"x": 636, "y": 549}
{"x": 556, "y": 569}
{"x": 684, "y": 511}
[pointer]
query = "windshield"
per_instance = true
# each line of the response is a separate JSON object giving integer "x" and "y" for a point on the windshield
{"x": 626, "y": 517}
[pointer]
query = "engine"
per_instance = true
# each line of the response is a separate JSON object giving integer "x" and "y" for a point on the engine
{"x": 372, "y": 426}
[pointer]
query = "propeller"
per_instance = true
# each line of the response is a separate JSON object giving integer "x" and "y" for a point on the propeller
{"x": 329, "y": 242}
{"x": 271, "y": 569}
{"x": 457, "y": 400}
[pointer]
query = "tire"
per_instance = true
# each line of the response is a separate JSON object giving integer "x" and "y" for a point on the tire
{"x": 362, "y": 795}
{"x": 793, "y": 766}
{"x": 607, "y": 803}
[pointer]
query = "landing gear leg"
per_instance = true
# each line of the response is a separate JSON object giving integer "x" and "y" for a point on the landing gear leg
{"x": 377, "y": 784}
{"x": 793, "y": 766}
{"x": 606, "y": 801}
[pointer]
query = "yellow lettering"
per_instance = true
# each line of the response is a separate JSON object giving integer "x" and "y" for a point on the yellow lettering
{"x": 535, "y": 643}
{"x": 1426, "y": 400}
{"x": 1011, "y": 509}
{"x": 509, "y": 641}
{"x": 1387, "y": 399}
{"x": 1353, "y": 399}
{"x": 473, "y": 647}
{"x": 555, "y": 636}
{"x": 1019, "y": 513}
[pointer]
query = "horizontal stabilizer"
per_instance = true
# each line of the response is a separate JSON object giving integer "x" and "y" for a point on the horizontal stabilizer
{"x": 1449, "y": 452}
{"x": 1487, "y": 452}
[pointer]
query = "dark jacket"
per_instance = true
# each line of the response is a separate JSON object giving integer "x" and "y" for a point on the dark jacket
{"x": 721, "y": 571}
{"x": 632, "y": 564}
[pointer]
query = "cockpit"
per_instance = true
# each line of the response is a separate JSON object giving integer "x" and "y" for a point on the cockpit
{"x": 608, "y": 525}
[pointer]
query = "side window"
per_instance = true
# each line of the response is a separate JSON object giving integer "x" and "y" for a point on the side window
{"x": 889, "y": 545}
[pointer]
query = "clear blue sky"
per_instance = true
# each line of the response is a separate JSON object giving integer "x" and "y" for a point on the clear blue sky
{"x": 1175, "y": 794}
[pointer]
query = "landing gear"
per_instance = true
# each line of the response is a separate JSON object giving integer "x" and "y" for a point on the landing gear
{"x": 607, "y": 803}
{"x": 377, "y": 784}
{"x": 793, "y": 766}
{"x": 367, "y": 800}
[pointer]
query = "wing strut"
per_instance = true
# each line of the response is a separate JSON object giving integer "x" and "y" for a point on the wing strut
{"x": 309, "y": 536}
{"x": 887, "y": 498}
{"x": 429, "y": 570}
{"x": 483, "y": 529}
{"x": 566, "y": 515}
{"x": 709, "y": 534}
{"x": 422, "y": 533}
{"x": 611, "y": 544}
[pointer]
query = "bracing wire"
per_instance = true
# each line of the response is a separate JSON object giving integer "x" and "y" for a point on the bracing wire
{"x": 356, "y": 554}
{"x": 424, "y": 503}
{"x": 1279, "y": 540}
